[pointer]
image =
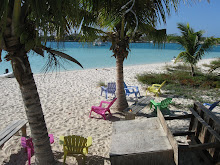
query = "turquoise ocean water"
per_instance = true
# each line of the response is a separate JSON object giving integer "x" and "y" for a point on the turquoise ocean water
{"x": 100, "y": 56}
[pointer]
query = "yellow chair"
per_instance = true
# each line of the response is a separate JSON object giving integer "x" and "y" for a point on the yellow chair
{"x": 155, "y": 88}
{"x": 73, "y": 145}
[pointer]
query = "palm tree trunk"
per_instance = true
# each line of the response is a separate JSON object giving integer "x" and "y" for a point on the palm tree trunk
{"x": 193, "y": 72}
{"x": 24, "y": 76}
{"x": 120, "y": 93}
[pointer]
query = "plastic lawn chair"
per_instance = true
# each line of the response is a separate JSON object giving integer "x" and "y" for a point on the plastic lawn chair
{"x": 101, "y": 110}
{"x": 74, "y": 145}
{"x": 162, "y": 105}
{"x": 111, "y": 88}
{"x": 212, "y": 106}
{"x": 155, "y": 88}
{"x": 131, "y": 89}
{"x": 28, "y": 145}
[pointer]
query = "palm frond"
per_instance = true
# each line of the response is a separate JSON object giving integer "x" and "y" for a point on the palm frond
{"x": 184, "y": 56}
{"x": 60, "y": 54}
{"x": 206, "y": 47}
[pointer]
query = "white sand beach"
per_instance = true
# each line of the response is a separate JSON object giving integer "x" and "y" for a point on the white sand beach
{"x": 66, "y": 98}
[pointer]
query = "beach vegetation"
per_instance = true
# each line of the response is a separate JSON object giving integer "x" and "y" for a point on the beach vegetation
{"x": 101, "y": 83}
{"x": 180, "y": 84}
{"x": 194, "y": 44}
{"x": 214, "y": 65}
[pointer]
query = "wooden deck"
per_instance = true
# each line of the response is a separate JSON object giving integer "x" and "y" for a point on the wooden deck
{"x": 11, "y": 130}
{"x": 140, "y": 142}
{"x": 203, "y": 134}
{"x": 150, "y": 141}
{"x": 132, "y": 110}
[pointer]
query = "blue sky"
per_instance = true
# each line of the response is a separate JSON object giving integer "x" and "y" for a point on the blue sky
{"x": 201, "y": 16}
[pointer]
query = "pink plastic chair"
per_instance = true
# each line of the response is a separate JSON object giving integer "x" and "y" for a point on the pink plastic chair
{"x": 101, "y": 110}
{"x": 28, "y": 145}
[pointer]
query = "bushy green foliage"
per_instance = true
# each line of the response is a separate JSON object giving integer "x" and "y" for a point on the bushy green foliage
{"x": 180, "y": 83}
{"x": 101, "y": 83}
{"x": 213, "y": 65}
{"x": 182, "y": 78}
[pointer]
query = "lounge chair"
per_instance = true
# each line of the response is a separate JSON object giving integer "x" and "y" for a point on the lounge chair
{"x": 28, "y": 145}
{"x": 101, "y": 110}
{"x": 111, "y": 88}
{"x": 162, "y": 105}
{"x": 155, "y": 88}
{"x": 74, "y": 145}
{"x": 131, "y": 89}
{"x": 212, "y": 106}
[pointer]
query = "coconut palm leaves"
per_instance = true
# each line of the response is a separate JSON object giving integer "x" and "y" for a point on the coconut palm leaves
{"x": 193, "y": 43}
{"x": 22, "y": 25}
{"x": 123, "y": 22}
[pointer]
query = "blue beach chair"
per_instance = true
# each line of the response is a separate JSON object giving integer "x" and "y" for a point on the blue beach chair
{"x": 212, "y": 106}
{"x": 131, "y": 89}
{"x": 111, "y": 88}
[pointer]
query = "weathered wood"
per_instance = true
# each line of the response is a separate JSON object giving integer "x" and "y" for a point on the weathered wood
{"x": 207, "y": 127}
{"x": 189, "y": 133}
{"x": 11, "y": 130}
{"x": 199, "y": 107}
{"x": 198, "y": 146}
{"x": 178, "y": 117}
{"x": 132, "y": 110}
{"x": 140, "y": 142}
{"x": 169, "y": 134}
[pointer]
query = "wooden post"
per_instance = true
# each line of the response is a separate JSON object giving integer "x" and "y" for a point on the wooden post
{"x": 23, "y": 131}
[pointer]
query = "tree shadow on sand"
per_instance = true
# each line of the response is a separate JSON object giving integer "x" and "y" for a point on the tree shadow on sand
{"x": 90, "y": 159}
{"x": 18, "y": 158}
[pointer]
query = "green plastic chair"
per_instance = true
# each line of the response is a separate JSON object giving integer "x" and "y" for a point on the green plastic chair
{"x": 155, "y": 88}
{"x": 162, "y": 105}
{"x": 73, "y": 145}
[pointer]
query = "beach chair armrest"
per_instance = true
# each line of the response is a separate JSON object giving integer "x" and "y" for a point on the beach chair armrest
{"x": 156, "y": 85}
{"x": 89, "y": 141}
{"x": 207, "y": 104}
{"x": 129, "y": 89}
{"x": 134, "y": 87}
{"x": 103, "y": 88}
{"x": 153, "y": 102}
{"x": 51, "y": 138}
{"x": 61, "y": 140}
{"x": 104, "y": 102}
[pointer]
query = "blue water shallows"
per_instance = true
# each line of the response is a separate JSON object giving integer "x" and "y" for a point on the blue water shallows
{"x": 100, "y": 56}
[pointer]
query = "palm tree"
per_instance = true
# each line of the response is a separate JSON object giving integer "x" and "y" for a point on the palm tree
{"x": 193, "y": 43}
{"x": 20, "y": 24}
{"x": 124, "y": 22}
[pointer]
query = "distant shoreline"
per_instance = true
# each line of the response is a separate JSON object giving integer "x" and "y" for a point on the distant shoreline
{"x": 208, "y": 60}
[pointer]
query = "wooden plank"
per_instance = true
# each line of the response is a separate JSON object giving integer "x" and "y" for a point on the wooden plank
{"x": 178, "y": 117}
{"x": 169, "y": 134}
{"x": 199, "y": 107}
{"x": 136, "y": 107}
{"x": 8, "y": 129}
{"x": 140, "y": 142}
{"x": 208, "y": 133}
{"x": 184, "y": 133}
{"x": 199, "y": 146}
{"x": 11, "y": 130}
{"x": 206, "y": 126}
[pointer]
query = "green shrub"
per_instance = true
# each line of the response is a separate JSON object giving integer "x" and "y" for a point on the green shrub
{"x": 101, "y": 83}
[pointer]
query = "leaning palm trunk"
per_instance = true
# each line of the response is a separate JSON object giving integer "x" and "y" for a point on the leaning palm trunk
{"x": 24, "y": 76}
{"x": 120, "y": 93}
